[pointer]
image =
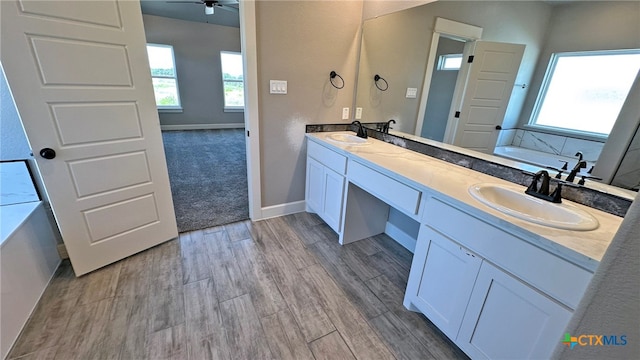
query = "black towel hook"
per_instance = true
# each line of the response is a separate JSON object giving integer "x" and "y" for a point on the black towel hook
{"x": 333, "y": 75}
{"x": 376, "y": 78}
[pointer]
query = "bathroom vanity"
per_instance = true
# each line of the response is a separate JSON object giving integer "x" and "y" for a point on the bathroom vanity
{"x": 498, "y": 286}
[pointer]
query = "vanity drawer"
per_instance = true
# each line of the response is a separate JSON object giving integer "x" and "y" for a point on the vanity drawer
{"x": 326, "y": 157}
{"x": 400, "y": 196}
{"x": 557, "y": 277}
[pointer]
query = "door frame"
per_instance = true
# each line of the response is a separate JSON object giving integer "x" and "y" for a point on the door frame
{"x": 248, "y": 40}
{"x": 454, "y": 30}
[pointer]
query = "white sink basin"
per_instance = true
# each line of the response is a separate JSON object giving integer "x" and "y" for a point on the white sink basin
{"x": 348, "y": 139}
{"x": 513, "y": 201}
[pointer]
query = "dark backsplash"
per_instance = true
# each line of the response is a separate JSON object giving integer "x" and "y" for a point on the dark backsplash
{"x": 611, "y": 204}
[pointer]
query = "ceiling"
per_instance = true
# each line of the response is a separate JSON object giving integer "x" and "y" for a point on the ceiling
{"x": 190, "y": 11}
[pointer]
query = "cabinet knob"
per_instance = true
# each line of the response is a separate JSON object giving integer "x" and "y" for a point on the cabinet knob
{"x": 498, "y": 127}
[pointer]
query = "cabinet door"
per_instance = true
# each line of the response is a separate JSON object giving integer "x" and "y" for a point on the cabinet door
{"x": 441, "y": 280}
{"x": 507, "y": 319}
{"x": 333, "y": 194}
{"x": 315, "y": 185}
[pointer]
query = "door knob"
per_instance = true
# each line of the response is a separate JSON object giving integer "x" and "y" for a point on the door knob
{"x": 498, "y": 127}
{"x": 48, "y": 153}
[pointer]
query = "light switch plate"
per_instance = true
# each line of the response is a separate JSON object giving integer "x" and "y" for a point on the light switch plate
{"x": 278, "y": 87}
{"x": 345, "y": 113}
{"x": 412, "y": 93}
{"x": 358, "y": 113}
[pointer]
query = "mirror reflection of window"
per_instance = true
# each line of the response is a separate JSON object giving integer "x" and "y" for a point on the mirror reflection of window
{"x": 450, "y": 62}
{"x": 584, "y": 91}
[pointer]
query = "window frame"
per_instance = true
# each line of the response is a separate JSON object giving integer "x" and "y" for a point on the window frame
{"x": 168, "y": 108}
{"x": 544, "y": 87}
{"x": 224, "y": 99}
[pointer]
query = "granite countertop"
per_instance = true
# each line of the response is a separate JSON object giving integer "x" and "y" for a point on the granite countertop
{"x": 584, "y": 248}
{"x": 604, "y": 188}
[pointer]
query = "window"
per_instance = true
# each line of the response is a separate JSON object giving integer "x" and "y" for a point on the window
{"x": 450, "y": 62}
{"x": 163, "y": 74}
{"x": 232, "y": 80}
{"x": 583, "y": 92}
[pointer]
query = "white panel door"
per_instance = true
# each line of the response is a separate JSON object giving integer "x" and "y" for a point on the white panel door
{"x": 506, "y": 319}
{"x": 79, "y": 75}
{"x": 486, "y": 96}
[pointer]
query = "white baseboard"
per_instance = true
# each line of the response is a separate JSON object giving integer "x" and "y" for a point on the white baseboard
{"x": 202, "y": 126}
{"x": 282, "y": 209}
{"x": 400, "y": 237}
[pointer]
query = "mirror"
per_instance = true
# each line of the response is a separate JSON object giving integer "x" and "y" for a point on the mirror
{"x": 397, "y": 46}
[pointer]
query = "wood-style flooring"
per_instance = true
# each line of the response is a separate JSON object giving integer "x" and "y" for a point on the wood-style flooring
{"x": 282, "y": 288}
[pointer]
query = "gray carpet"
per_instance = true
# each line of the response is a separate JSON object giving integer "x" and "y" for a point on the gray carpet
{"x": 208, "y": 175}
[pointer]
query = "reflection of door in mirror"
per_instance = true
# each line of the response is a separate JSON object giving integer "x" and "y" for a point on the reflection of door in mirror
{"x": 443, "y": 83}
{"x": 467, "y": 109}
{"x": 485, "y": 95}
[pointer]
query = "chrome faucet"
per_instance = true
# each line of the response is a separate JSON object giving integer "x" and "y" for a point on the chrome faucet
{"x": 362, "y": 132}
{"x": 386, "y": 127}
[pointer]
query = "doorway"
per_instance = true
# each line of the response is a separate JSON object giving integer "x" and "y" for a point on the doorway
{"x": 452, "y": 34}
{"x": 443, "y": 84}
{"x": 200, "y": 100}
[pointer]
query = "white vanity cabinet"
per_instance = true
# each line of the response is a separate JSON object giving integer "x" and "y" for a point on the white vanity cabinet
{"x": 494, "y": 294}
{"x": 325, "y": 183}
{"x": 508, "y": 319}
{"x": 498, "y": 288}
{"x": 440, "y": 283}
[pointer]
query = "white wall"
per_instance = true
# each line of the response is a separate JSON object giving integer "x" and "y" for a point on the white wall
{"x": 301, "y": 42}
{"x": 197, "y": 49}
{"x": 611, "y": 304}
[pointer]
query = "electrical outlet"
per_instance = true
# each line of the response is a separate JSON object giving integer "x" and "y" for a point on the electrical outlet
{"x": 358, "y": 113}
{"x": 411, "y": 93}
{"x": 345, "y": 113}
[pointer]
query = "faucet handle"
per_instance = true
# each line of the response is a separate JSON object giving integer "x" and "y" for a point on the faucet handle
{"x": 583, "y": 177}
{"x": 560, "y": 171}
{"x": 565, "y": 166}
{"x": 568, "y": 183}
{"x": 556, "y": 195}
